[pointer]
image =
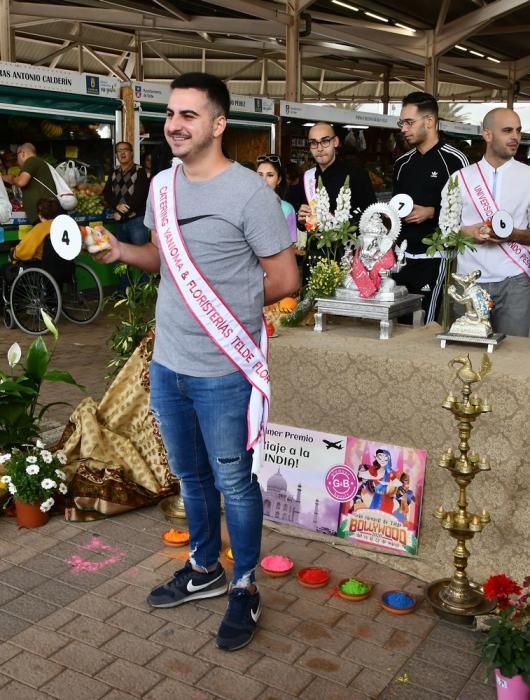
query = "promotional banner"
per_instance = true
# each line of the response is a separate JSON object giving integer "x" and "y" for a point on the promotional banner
{"x": 359, "y": 490}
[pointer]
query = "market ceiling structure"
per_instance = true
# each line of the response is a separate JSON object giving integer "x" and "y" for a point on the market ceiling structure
{"x": 313, "y": 50}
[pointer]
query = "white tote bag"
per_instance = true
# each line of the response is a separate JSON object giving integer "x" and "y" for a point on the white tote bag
{"x": 66, "y": 197}
{"x": 69, "y": 172}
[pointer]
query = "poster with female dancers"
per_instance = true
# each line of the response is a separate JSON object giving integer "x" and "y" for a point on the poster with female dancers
{"x": 385, "y": 510}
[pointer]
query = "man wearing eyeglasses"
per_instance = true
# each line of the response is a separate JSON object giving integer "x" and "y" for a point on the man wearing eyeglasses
{"x": 323, "y": 144}
{"x": 422, "y": 173}
{"x": 126, "y": 192}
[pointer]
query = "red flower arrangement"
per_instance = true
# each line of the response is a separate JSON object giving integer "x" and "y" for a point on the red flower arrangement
{"x": 506, "y": 644}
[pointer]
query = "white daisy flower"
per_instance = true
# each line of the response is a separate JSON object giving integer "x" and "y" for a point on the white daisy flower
{"x": 61, "y": 457}
{"x": 39, "y": 444}
{"x": 32, "y": 469}
{"x": 5, "y": 458}
{"x": 12, "y": 488}
{"x": 47, "y": 456}
{"x": 46, "y": 505}
{"x": 48, "y": 484}
{"x": 31, "y": 459}
{"x": 60, "y": 474}
{"x": 63, "y": 489}
{"x": 5, "y": 479}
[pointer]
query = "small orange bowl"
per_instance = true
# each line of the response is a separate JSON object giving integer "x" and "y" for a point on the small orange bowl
{"x": 353, "y": 596}
{"x": 386, "y": 603}
{"x": 175, "y": 538}
{"x": 313, "y": 576}
{"x": 276, "y": 565}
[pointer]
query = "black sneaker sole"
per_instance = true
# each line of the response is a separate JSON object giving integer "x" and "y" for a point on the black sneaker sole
{"x": 192, "y": 596}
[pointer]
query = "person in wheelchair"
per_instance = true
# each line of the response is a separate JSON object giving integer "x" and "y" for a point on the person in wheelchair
{"x": 31, "y": 247}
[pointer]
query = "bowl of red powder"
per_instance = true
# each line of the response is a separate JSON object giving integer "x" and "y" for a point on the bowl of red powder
{"x": 398, "y": 602}
{"x": 353, "y": 589}
{"x": 276, "y": 565}
{"x": 313, "y": 576}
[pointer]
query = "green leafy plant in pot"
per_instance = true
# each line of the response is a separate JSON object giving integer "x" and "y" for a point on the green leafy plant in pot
{"x": 20, "y": 410}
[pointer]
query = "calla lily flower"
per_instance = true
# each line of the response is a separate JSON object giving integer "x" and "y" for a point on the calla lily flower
{"x": 49, "y": 324}
{"x": 14, "y": 354}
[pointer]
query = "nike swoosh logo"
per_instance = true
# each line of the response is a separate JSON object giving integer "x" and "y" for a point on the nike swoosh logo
{"x": 192, "y": 219}
{"x": 255, "y": 615}
{"x": 192, "y": 588}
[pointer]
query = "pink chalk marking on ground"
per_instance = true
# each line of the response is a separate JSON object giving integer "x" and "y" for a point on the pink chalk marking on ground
{"x": 96, "y": 544}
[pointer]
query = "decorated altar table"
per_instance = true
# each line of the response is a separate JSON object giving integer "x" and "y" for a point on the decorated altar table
{"x": 346, "y": 381}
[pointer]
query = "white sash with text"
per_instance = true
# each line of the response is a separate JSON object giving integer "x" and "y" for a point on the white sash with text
{"x": 484, "y": 202}
{"x": 212, "y": 314}
{"x": 310, "y": 185}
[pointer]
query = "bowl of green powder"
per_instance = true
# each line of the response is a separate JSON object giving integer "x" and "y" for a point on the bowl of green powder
{"x": 353, "y": 589}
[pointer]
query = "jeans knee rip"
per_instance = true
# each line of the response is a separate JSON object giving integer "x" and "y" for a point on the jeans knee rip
{"x": 229, "y": 460}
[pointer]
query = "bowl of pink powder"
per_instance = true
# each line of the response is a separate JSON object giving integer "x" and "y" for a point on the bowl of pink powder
{"x": 353, "y": 589}
{"x": 276, "y": 565}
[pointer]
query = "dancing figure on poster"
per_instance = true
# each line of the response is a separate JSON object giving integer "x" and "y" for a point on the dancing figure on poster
{"x": 368, "y": 267}
{"x": 404, "y": 497}
{"x": 477, "y": 302}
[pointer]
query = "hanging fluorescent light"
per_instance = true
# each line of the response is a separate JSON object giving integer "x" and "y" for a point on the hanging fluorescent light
{"x": 493, "y": 60}
{"x": 309, "y": 124}
{"x": 346, "y": 5}
{"x": 355, "y": 126}
{"x": 476, "y": 53}
{"x": 404, "y": 26}
{"x": 460, "y": 48}
{"x": 374, "y": 16}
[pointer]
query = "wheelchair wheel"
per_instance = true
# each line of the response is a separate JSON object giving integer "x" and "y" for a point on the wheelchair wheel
{"x": 32, "y": 291}
{"x": 82, "y": 297}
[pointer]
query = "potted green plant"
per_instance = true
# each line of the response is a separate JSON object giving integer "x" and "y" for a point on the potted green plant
{"x": 33, "y": 476}
{"x": 505, "y": 646}
{"x": 20, "y": 410}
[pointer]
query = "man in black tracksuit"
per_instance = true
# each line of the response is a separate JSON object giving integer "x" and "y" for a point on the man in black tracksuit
{"x": 422, "y": 174}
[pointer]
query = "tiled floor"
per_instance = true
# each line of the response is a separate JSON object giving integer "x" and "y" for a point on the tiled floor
{"x": 86, "y": 631}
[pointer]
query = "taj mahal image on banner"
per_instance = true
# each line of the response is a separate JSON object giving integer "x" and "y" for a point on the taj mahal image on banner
{"x": 292, "y": 502}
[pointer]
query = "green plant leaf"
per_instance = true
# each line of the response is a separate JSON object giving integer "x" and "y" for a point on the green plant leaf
{"x": 57, "y": 375}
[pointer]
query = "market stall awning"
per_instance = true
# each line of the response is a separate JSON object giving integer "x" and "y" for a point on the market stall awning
{"x": 46, "y": 103}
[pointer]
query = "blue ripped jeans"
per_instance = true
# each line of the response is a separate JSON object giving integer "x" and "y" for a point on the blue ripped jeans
{"x": 203, "y": 423}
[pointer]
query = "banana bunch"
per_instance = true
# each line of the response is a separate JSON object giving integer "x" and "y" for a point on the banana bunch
{"x": 51, "y": 130}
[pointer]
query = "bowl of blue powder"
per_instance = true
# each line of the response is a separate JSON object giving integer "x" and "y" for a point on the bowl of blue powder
{"x": 398, "y": 602}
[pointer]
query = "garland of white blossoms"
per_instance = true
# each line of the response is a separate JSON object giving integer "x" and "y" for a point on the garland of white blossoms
{"x": 451, "y": 212}
{"x": 328, "y": 221}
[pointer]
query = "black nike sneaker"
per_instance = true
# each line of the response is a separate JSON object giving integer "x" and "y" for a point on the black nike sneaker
{"x": 239, "y": 623}
{"x": 187, "y": 585}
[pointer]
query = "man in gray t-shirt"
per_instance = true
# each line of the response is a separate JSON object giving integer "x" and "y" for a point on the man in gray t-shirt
{"x": 236, "y": 235}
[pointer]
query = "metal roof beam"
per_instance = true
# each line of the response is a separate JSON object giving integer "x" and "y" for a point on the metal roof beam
{"x": 469, "y": 24}
{"x": 255, "y": 9}
{"x": 510, "y": 29}
{"x": 168, "y": 7}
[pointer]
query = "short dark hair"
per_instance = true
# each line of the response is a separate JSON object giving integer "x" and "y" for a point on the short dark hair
{"x": 424, "y": 101}
{"x": 216, "y": 90}
{"x": 123, "y": 143}
{"x": 48, "y": 208}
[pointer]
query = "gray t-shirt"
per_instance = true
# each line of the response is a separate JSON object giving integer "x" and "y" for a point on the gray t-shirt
{"x": 227, "y": 222}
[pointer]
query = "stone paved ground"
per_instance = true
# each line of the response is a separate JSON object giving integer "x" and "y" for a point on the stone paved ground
{"x": 86, "y": 631}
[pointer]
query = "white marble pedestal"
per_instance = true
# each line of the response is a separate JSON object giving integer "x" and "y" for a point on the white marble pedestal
{"x": 384, "y": 311}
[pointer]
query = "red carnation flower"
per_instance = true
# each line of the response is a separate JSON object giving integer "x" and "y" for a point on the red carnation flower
{"x": 500, "y": 587}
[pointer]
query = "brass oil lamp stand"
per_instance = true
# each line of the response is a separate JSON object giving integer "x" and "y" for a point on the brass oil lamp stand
{"x": 457, "y": 599}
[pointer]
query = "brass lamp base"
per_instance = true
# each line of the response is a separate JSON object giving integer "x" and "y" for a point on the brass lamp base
{"x": 173, "y": 509}
{"x": 462, "y": 613}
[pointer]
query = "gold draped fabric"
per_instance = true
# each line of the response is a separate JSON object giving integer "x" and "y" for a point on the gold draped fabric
{"x": 116, "y": 459}
{"x": 347, "y": 381}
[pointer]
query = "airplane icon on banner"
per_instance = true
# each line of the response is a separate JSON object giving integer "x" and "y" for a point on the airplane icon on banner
{"x": 336, "y": 445}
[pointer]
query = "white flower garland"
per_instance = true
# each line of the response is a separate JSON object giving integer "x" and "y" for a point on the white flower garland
{"x": 326, "y": 220}
{"x": 451, "y": 211}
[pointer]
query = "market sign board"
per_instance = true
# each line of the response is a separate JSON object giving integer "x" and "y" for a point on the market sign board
{"x": 359, "y": 490}
{"x": 158, "y": 93}
{"x": 459, "y": 128}
{"x": 336, "y": 115}
{"x": 22, "y": 75}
